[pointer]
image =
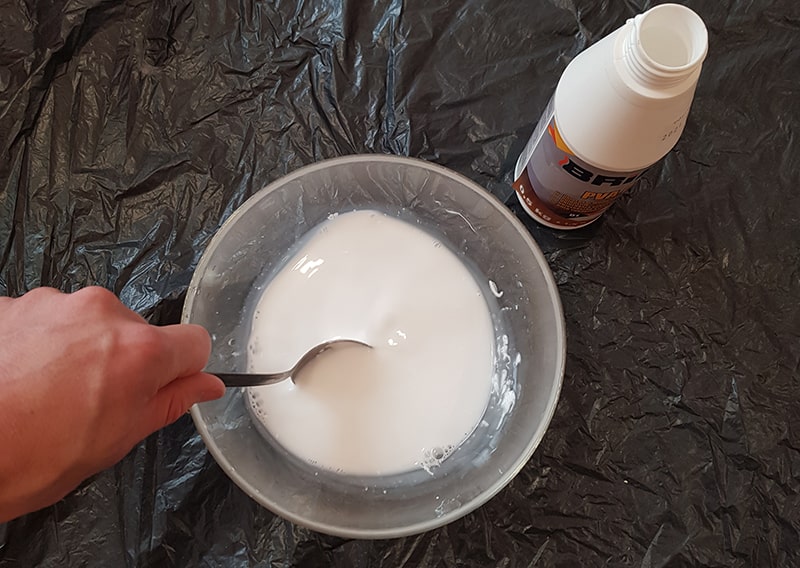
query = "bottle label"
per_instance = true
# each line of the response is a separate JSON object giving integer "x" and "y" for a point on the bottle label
{"x": 560, "y": 189}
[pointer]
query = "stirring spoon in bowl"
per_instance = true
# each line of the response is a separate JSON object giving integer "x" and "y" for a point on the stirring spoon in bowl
{"x": 260, "y": 379}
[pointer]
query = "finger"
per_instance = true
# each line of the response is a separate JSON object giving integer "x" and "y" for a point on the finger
{"x": 172, "y": 401}
{"x": 188, "y": 348}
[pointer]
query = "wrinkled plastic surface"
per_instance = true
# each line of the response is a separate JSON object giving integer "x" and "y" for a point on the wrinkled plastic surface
{"x": 130, "y": 130}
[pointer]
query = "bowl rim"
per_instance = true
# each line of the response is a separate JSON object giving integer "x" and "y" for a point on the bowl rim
{"x": 506, "y": 477}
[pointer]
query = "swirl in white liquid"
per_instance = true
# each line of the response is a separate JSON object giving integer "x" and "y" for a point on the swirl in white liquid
{"x": 426, "y": 382}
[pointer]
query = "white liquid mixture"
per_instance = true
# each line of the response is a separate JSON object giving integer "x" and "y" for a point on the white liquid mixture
{"x": 422, "y": 388}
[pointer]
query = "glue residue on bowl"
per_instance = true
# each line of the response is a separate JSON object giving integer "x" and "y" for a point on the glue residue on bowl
{"x": 409, "y": 401}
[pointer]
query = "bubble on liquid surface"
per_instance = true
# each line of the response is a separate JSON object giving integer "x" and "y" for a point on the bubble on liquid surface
{"x": 433, "y": 458}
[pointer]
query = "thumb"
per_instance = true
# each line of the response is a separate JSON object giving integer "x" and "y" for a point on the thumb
{"x": 173, "y": 400}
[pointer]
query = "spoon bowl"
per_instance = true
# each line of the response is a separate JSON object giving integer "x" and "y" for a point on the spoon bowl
{"x": 261, "y": 379}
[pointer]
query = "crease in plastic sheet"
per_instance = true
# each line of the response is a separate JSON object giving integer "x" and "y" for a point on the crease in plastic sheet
{"x": 130, "y": 131}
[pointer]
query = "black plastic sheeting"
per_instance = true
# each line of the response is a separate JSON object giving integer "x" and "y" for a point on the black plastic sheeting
{"x": 131, "y": 130}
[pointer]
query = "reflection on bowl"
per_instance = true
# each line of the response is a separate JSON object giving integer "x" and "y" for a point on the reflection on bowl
{"x": 527, "y": 316}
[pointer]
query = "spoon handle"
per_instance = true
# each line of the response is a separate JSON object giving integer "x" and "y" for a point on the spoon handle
{"x": 250, "y": 379}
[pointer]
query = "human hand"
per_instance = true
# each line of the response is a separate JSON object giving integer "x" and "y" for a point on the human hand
{"x": 82, "y": 380}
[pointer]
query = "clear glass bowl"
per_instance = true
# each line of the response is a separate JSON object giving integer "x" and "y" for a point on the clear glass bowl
{"x": 257, "y": 238}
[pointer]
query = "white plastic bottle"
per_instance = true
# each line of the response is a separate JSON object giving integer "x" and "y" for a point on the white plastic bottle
{"x": 619, "y": 107}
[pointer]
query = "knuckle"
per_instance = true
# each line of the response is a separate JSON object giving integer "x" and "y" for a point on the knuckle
{"x": 147, "y": 343}
{"x": 41, "y": 293}
{"x": 201, "y": 337}
{"x": 96, "y": 296}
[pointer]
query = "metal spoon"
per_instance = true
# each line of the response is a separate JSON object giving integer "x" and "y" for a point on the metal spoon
{"x": 259, "y": 379}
